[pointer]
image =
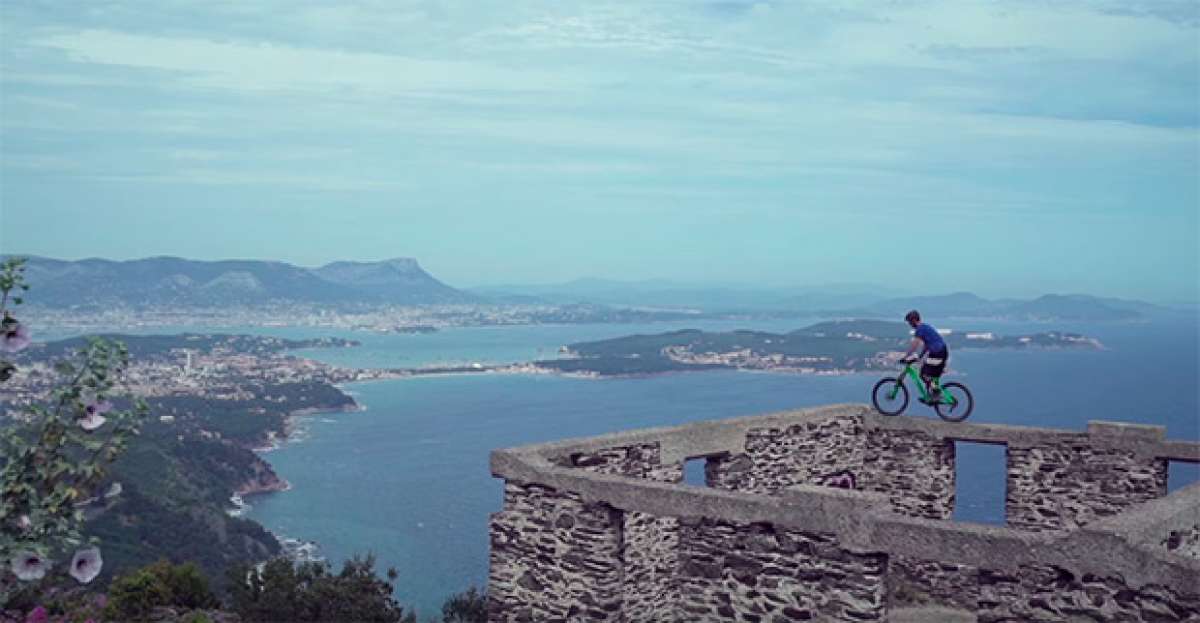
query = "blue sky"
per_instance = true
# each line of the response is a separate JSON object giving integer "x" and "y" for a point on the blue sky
{"x": 1007, "y": 148}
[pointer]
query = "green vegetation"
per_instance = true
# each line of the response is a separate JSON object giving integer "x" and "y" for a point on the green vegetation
{"x": 469, "y": 606}
{"x": 310, "y": 591}
{"x": 57, "y": 455}
{"x": 135, "y": 596}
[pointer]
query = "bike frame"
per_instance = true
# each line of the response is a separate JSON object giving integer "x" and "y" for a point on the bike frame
{"x": 920, "y": 385}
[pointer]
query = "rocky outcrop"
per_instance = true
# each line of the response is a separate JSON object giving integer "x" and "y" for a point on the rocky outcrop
{"x": 261, "y": 479}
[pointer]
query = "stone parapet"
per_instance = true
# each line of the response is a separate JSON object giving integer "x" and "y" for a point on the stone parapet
{"x": 603, "y": 529}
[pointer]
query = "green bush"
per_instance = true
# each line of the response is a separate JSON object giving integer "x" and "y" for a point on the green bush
{"x": 469, "y": 606}
{"x": 310, "y": 592}
{"x": 133, "y": 596}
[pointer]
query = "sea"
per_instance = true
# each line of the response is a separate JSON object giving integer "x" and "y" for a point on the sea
{"x": 407, "y": 478}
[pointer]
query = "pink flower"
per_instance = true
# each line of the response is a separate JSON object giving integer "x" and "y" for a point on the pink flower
{"x": 37, "y": 615}
{"x": 14, "y": 337}
{"x": 86, "y": 564}
{"x": 28, "y": 566}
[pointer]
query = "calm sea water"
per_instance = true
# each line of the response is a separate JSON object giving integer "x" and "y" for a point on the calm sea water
{"x": 408, "y": 479}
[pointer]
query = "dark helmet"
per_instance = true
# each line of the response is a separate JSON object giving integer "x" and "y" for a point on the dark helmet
{"x": 912, "y": 316}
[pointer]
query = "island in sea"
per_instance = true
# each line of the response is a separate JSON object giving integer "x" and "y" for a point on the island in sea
{"x": 834, "y": 347}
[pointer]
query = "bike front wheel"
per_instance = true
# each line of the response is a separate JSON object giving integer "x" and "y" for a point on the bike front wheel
{"x": 960, "y": 408}
{"x": 890, "y": 396}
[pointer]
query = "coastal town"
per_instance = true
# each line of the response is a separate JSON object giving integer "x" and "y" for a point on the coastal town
{"x": 370, "y": 318}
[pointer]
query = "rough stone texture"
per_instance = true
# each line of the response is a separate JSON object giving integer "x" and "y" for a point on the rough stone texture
{"x": 1184, "y": 542}
{"x": 914, "y": 582}
{"x": 804, "y": 453}
{"x": 634, "y": 461}
{"x": 914, "y": 469}
{"x": 638, "y": 551}
{"x": 1041, "y": 593}
{"x": 650, "y": 553}
{"x": 554, "y": 557}
{"x": 756, "y": 572}
{"x": 1069, "y": 483}
{"x": 650, "y": 545}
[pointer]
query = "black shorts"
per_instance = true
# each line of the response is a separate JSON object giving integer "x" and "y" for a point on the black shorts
{"x": 935, "y": 364}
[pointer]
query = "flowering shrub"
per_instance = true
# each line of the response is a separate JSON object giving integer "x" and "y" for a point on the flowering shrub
{"x": 54, "y": 458}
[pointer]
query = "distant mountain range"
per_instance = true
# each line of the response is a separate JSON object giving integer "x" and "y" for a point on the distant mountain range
{"x": 836, "y": 300}
{"x": 170, "y": 281}
{"x": 709, "y": 298}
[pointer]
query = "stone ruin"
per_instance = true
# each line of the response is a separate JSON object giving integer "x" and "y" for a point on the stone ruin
{"x": 604, "y": 529}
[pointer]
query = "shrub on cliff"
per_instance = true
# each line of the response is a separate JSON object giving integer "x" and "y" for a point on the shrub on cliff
{"x": 285, "y": 591}
{"x": 134, "y": 596}
{"x": 469, "y": 606}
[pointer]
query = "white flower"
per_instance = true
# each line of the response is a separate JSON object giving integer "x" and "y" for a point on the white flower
{"x": 24, "y": 522}
{"x": 92, "y": 421}
{"x": 113, "y": 491}
{"x": 29, "y": 566}
{"x": 14, "y": 337}
{"x": 85, "y": 566}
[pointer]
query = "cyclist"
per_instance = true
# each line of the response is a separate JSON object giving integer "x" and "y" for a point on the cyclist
{"x": 933, "y": 348}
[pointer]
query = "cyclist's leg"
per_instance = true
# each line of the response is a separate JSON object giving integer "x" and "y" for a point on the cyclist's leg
{"x": 931, "y": 371}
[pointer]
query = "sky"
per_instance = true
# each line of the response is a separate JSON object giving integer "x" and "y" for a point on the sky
{"x": 1006, "y": 148}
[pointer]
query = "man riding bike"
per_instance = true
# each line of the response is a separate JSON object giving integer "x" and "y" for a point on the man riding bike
{"x": 933, "y": 348}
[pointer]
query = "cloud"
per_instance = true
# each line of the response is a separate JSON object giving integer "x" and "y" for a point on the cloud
{"x": 264, "y": 67}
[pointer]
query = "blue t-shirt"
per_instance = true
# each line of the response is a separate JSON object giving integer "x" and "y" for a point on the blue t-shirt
{"x": 933, "y": 341}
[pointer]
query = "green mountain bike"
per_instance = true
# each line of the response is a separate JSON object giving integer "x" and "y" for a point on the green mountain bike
{"x": 890, "y": 395}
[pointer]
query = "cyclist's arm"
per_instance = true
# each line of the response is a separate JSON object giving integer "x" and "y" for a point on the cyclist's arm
{"x": 912, "y": 348}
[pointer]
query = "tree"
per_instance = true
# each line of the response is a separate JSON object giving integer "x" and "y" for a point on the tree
{"x": 134, "y": 596}
{"x": 281, "y": 590}
{"x": 469, "y": 606}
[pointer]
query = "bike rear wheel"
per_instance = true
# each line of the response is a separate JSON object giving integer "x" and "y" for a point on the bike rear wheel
{"x": 883, "y": 398}
{"x": 964, "y": 403}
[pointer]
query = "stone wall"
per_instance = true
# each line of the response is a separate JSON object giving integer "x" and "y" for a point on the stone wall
{"x": 777, "y": 458}
{"x": 758, "y": 572}
{"x": 1069, "y": 481}
{"x": 600, "y": 529}
{"x": 1184, "y": 542}
{"x": 917, "y": 582}
{"x": 649, "y": 548}
{"x": 914, "y": 469}
{"x": 1049, "y": 593}
{"x": 554, "y": 557}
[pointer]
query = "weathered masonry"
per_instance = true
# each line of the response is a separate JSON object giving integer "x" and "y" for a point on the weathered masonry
{"x": 603, "y": 529}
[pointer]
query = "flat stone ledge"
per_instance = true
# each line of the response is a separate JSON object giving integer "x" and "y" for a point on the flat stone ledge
{"x": 697, "y": 439}
{"x": 930, "y": 615}
{"x": 1150, "y": 522}
{"x": 1186, "y": 451}
{"x": 728, "y": 436}
{"x": 1125, "y": 430}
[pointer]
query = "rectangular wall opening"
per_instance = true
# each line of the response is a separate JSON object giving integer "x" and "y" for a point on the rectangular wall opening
{"x": 693, "y": 471}
{"x": 980, "y": 482}
{"x": 1181, "y": 474}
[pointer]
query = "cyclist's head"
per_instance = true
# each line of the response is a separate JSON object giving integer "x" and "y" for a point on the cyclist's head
{"x": 913, "y": 317}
